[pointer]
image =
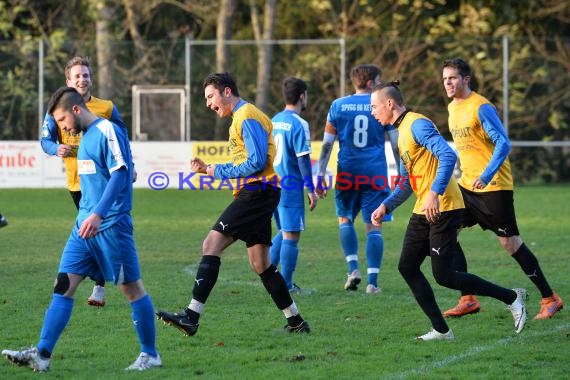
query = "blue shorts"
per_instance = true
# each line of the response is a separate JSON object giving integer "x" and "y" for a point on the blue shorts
{"x": 350, "y": 202}
{"x": 111, "y": 252}
{"x": 290, "y": 219}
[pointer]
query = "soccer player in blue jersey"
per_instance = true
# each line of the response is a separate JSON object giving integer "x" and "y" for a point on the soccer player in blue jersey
{"x": 3, "y": 221}
{"x": 248, "y": 216}
{"x": 363, "y": 169}
{"x": 486, "y": 183}
{"x": 427, "y": 163}
{"x": 293, "y": 165}
{"x": 102, "y": 238}
{"x": 56, "y": 142}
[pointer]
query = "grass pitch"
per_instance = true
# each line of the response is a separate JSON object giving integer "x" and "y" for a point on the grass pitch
{"x": 354, "y": 335}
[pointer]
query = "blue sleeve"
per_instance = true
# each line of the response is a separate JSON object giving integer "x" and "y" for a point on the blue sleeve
{"x": 402, "y": 191}
{"x": 494, "y": 128}
{"x": 116, "y": 118}
{"x": 256, "y": 144}
{"x": 425, "y": 134}
{"x": 49, "y": 141}
{"x": 112, "y": 191}
{"x": 306, "y": 171}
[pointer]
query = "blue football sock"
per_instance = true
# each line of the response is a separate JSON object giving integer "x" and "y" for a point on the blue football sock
{"x": 275, "y": 249}
{"x": 374, "y": 253}
{"x": 289, "y": 254}
{"x": 143, "y": 320}
{"x": 56, "y": 318}
{"x": 349, "y": 243}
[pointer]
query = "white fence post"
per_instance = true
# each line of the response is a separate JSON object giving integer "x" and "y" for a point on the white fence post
{"x": 506, "y": 83}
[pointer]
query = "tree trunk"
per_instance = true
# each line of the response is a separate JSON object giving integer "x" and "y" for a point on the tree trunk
{"x": 223, "y": 32}
{"x": 265, "y": 50}
{"x": 104, "y": 42}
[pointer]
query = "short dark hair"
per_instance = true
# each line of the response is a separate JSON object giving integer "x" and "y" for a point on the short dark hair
{"x": 66, "y": 98}
{"x": 462, "y": 67}
{"x": 76, "y": 61}
{"x": 361, "y": 74}
{"x": 293, "y": 88}
{"x": 220, "y": 81}
{"x": 392, "y": 91}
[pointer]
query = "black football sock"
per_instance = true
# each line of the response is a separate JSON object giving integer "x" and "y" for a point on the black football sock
{"x": 423, "y": 293}
{"x": 206, "y": 277}
{"x": 468, "y": 283}
{"x": 276, "y": 287}
{"x": 460, "y": 263}
{"x": 529, "y": 264}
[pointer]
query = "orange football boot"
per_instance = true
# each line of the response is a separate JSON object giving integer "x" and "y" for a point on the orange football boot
{"x": 549, "y": 306}
{"x": 467, "y": 305}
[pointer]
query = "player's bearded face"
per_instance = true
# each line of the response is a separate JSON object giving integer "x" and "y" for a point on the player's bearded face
{"x": 76, "y": 124}
{"x": 67, "y": 121}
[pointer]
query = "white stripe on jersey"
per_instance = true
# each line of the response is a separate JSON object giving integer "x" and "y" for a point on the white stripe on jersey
{"x": 106, "y": 128}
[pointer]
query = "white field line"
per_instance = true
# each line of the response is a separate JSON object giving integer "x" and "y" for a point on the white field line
{"x": 426, "y": 369}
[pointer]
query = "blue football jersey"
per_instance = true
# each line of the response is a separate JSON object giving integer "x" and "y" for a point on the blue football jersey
{"x": 292, "y": 139}
{"x": 361, "y": 137}
{"x": 104, "y": 148}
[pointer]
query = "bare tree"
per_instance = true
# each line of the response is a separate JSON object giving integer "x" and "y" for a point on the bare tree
{"x": 131, "y": 22}
{"x": 104, "y": 41}
{"x": 223, "y": 33}
{"x": 265, "y": 49}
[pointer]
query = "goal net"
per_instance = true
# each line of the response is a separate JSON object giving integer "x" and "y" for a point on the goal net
{"x": 159, "y": 113}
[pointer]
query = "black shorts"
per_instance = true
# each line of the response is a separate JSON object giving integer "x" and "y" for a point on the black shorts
{"x": 248, "y": 217}
{"x": 423, "y": 239}
{"x": 76, "y": 196}
{"x": 493, "y": 210}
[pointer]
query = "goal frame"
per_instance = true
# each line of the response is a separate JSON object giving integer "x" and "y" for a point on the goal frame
{"x": 139, "y": 90}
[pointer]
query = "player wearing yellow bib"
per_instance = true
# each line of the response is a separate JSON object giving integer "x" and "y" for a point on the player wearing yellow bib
{"x": 487, "y": 184}
{"x": 248, "y": 217}
{"x": 427, "y": 162}
{"x": 57, "y": 142}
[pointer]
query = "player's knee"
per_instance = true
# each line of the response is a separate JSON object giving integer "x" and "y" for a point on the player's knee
{"x": 445, "y": 278}
{"x": 406, "y": 270}
{"x": 61, "y": 284}
{"x": 510, "y": 244}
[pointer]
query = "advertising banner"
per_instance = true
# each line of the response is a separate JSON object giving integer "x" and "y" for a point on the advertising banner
{"x": 159, "y": 165}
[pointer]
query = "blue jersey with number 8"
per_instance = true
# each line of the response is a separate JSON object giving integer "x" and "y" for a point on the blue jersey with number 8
{"x": 361, "y": 137}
